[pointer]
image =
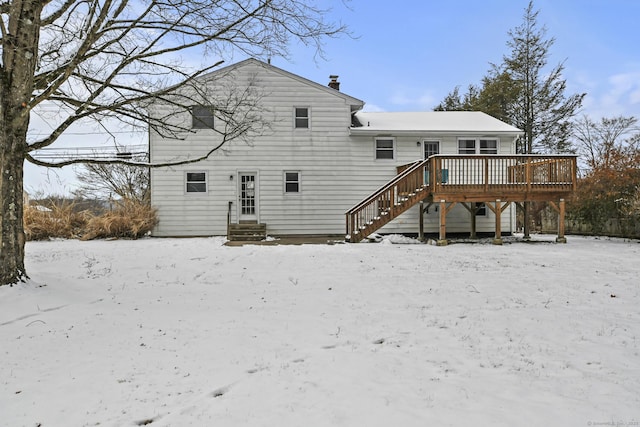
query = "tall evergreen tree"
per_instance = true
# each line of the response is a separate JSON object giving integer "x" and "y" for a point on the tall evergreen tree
{"x": 523, "y": 92}
{"x": 540, "y": 107}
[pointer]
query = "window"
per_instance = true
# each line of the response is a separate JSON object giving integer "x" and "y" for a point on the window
{"x": 488, "y": 146}
{"x": 466, "y": 146}
{"x": 478, "y": 146}
{"x": 201, "y": 117}
{"x": 384, "y": 148}
{"x": 481, "y": 209}
{"x": 431, "y": 148}
{"x": 292, "y": 182}
{"x": 301, "y": 118}
{"x": 196, "y": 182}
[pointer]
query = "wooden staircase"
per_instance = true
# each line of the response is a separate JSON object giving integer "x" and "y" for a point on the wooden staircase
{"x": 406, "y": 189}
{"x": 452, "y": 179}
{"x": 247, "y": 231}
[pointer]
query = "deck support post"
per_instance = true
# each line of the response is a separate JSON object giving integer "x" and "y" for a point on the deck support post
{"x": 561, "y": 209}
{"x": 442, "y": 238}
{"x": 526, "y": 227}
{"x": 497, "y": 240}
{"x": 473, "y": 210}
{"x": 421, "y": 230}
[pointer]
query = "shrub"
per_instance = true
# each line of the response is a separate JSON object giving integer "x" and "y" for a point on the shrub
{"x": 62, "y": 219}
{"x": 130, "y": 219}
{"x": 59, "y": 219}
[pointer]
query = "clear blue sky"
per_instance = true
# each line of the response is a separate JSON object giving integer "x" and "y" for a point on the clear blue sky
{"x": 407, "y": 55}
{"x": 410, "y": 54}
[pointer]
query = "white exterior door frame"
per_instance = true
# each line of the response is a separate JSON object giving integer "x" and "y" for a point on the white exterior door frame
{"x": 248, "y": 196}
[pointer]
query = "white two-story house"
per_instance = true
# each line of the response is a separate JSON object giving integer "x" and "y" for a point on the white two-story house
{"x": 314, "y": 156}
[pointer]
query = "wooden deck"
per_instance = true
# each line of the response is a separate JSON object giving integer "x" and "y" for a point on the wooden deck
{"x": 494, "y": 180}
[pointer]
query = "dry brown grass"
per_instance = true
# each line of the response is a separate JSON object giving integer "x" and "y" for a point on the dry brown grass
{"x": 62, "y": 220}
{"x": 130, "y": 219}
{"x": 58, "y": 220}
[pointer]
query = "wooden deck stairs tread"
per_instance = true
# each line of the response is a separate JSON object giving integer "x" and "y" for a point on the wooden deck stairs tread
{"x": 247, "y": 231}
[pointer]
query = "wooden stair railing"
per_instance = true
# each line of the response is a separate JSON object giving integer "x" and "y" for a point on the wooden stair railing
{"x": 464, "y": 178}
{"x": 392, "y": 199}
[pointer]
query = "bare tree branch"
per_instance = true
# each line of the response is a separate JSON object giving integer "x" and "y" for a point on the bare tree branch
{"x": 66, "y": 62}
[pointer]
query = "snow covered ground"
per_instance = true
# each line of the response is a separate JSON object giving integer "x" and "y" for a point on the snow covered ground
{"x": 189, "y": 332}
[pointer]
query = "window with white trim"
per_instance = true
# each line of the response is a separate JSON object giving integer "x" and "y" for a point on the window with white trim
{"x": 196, "y": 182}
{"x": 291, "y": 182}
{"x": 385, "y": 149}
{"x": 466, "y": 146}
{"x": 488, "y": 146}
{"x": 201, "y": 117}
{"x": 301, "y": 118}
{"x": 477, "y": 146}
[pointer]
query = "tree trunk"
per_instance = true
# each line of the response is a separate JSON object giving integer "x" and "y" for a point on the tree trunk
{"x": 11, "y": 221}
{"x": 19, "y": 57}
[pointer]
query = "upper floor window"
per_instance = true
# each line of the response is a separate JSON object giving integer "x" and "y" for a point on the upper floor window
{"x": 291, "y": 182}
{"x": 196, "y": 182}
{"x": 385, "y": 148}
{"x": 301, "y": 117}
{"x": 478, "y": 146}
{"x": 431, "y": 148}
{"x": 201, "y": 117}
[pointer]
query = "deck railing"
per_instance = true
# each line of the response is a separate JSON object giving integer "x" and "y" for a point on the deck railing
{"x": 492, "y": 173}
{"x": 457, "y": 177}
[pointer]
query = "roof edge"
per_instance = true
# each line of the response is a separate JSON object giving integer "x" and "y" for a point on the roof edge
{"x": 348, "y": 98}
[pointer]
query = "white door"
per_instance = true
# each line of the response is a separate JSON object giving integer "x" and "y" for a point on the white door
{"x": 247, "y": 196}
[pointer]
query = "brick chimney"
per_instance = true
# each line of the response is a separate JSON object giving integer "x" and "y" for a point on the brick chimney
{"x": 333, "y": 82}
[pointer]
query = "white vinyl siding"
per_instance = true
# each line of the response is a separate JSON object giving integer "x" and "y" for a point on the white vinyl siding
{"x": 317, "y": 209}
{"x": 336, "y": 170}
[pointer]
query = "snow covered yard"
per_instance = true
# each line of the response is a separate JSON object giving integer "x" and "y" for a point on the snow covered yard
{"x": 189, "y": 332}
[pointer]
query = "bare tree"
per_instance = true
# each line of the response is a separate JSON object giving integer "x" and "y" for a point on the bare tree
{"x": 72, "y": 61}
{"x": 106, "y": 180}
{"x": 596, "y": 142}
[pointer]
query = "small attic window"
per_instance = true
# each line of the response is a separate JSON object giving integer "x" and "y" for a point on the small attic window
{"x": 201, "y": 117}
